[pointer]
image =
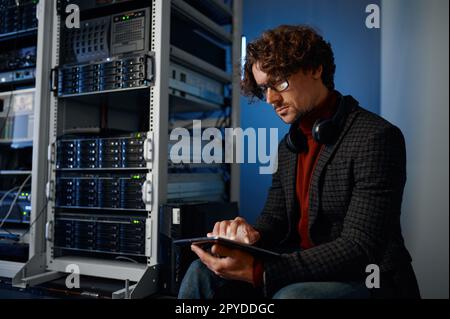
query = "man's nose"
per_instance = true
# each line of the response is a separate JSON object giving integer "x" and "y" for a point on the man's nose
{"x": 272, "y": 96}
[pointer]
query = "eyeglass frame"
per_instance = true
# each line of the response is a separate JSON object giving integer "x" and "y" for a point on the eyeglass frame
{"x": 262, "y": 89}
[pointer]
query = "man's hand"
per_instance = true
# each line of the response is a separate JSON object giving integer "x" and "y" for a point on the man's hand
{"x": 237, "y": 229}
{"x": 232, "y": 264}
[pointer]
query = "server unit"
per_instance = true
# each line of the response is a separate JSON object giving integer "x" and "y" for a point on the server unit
{"x": 100, "y": 191}
{"x": 187, "y": 83}
{"x": 17, "y": 65}
{"x": 105, "y": 37}
{"x": 17, "y": 16}
{"x": 15, "y": 208}
{"x": 119, "y": 152}
{"x": 17, "y": 115}
{"x": 112, "y": 74}
{"x": 104, "y": 54}
{"x": 93, "y": 235}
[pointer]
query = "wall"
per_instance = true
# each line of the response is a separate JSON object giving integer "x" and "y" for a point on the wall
{"x": 415, "y": 97}
{"x": 357, "y": 55}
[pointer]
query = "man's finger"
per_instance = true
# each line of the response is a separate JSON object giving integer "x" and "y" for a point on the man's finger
{"x": 216, "y": 229}
{"x": 221, "y": 250}
{"x": 232, "y": 230}
{"x": 240, "y": 219}
{"x": 206, "y": 258}
{"x": 223, "y": 228}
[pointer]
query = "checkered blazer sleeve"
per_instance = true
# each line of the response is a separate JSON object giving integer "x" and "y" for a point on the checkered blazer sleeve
{"x": 379, "y": 178}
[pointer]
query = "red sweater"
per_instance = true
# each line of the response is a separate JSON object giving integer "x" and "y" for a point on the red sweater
{"x": 306, "y": 161}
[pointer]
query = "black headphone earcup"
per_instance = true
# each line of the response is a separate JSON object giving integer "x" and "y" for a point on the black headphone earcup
{"x": 325, "y": 131}
{"x": 295, "y": 140}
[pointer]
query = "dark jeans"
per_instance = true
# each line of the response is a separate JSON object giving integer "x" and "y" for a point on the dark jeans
{"x": 201, "y": 283}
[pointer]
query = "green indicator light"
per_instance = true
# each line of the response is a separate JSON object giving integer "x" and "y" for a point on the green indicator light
{"x": 25, "y": 213}
{"x": 136, "y": 177}
{"x": 139, "y": 135}
{"x": 135, "y": 222}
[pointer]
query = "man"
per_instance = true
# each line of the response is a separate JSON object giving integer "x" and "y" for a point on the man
{"x": 334, "y": 204}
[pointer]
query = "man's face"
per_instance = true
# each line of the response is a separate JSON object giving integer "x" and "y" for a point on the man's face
{"x": 303, "y": 94}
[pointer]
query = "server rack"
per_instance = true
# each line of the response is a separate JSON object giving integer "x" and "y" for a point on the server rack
{"x": 158, "y": 97}
{"x": 18, "y": 45}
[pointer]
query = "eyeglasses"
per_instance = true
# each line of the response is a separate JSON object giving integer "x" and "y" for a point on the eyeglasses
{"x": 278, "y": 87}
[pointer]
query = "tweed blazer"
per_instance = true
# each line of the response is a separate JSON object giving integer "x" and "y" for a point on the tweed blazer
{"x": 355, "y": 200}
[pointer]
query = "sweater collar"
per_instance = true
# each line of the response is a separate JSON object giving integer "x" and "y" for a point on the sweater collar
{"x": 322, "y": 111}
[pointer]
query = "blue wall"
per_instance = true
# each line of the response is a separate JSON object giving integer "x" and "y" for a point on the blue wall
{"x": 357, "y": 54}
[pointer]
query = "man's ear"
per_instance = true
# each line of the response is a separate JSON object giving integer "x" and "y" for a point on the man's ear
{"x": 317, "y": 73}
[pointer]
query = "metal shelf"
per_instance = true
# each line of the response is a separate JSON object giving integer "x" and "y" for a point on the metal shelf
{"x": 18, "y": 34}
{"x": 15, "y": 172}
{"x": 99, "y": 251}
{"x": 15, "y": 92}
{"x": 192, "y": 14}
{"x": 179, "y": 104}
{"x": 215, "y": 9}
{"x": 187, "y": 123}
{"x": 102, "y": 169}
{"x": 102, "y": 92}
{"x": 194, "y": 165}
{"x": 102, "y": 208}
{"x": 101, "y": 267}
{"x": 16, "y": 140}
{"x": 8, "y": 269}
{"x": 184, "y": 58}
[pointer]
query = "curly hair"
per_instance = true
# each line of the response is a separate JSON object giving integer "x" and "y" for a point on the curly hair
{"x": 284, "y": 51}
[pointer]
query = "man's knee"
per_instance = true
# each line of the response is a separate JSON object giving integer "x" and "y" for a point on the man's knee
{"x": 197, "y": 270}
{"x": 323, "y": 290}
{"x": 192, "y": 284}
{"x": 197, "y": 265}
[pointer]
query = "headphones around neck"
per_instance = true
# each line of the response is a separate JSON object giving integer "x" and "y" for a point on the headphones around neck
{"x": 323, "y": 131}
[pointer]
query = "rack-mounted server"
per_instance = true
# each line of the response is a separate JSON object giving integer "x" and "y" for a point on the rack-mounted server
{"x": 120, "y": 152}
{"x": 17, "y": 16}
{"x": 124, "y": 235}
{"x": 116, "y": 73}
{"x": 101, "y": 192}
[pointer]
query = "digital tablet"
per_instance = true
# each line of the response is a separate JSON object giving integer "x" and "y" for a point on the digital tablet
{"x": 209, "y": 241}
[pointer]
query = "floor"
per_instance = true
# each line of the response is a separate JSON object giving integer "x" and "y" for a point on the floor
{"x": 9, "y": 292}
{"x": 57, "y": 290}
